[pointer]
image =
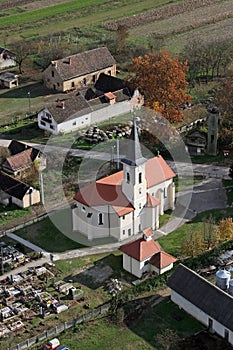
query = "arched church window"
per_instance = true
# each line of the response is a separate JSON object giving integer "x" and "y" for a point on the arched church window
{"x": 140, "y": 178}
{"x": 101, "y": 219}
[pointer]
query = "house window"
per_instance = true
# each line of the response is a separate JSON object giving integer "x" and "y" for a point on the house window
{"x": 146, "y": 262}
{"x": 93, "y": 78}
{"x": 89, "y": 215}
{"x": 72, "y": 84}
{"x": 74, "y": 123}
{"x": 83, "y": 209}
{"x": 123, "y": 232}
{"x": 129, "y": 231}
{"x": 139, "y": 228}
{"x": 58, "y": 84}
{"x": 127, "y": 177}
{"x": 123, "y": 217}
{"x": 140, "y": 190}
{"x": 140, "y": 206}
{"x": 52, "y": 74}
{"x": 48, "y": 115}
{"x": 84, "y": 81}
{"x": 101, "y": 219}
{"x": 165, "y": 192}
{"x": 140, "y": 178}
{"x": 42, "y": 123}
{"x": 52, "y": 127}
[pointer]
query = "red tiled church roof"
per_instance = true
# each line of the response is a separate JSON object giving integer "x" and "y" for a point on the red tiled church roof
{"x": 108, "y": 189}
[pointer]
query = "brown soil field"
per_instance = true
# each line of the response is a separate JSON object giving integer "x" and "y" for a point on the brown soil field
{"x": 29, "y": 5}
{"x": 164, "y": 12}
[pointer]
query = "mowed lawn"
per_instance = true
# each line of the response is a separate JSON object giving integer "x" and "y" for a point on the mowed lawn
{"x": 139, "y": 334}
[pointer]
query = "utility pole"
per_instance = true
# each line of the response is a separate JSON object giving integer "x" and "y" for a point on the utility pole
{"x": 29, "y": 102}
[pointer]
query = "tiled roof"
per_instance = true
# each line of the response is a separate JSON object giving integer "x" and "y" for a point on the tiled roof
{"x": 21, "y": 160}
{"x": 97, "y": 194}
{"x": 17, "y": 147}
{"x": 152, "y": 201}
{"x": 157, "y": 171}
{"x": 110, "y": 95}
{"x": 106, "y": 83}
{"x": 148, "y": 232}
{"x": 13, "y": 187}
{"x": 84, "y": 63}
{"x": 141, "y": 249}
{"x": 162, "y": 260}
{"x": 203, "y": 294}
{"x": 108, "y": 189}
{"x": 69, "y": 108}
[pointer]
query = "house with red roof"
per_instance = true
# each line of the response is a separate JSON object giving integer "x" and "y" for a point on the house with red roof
{"x": 146, "y": 255}
{"x": 125, "y": 203}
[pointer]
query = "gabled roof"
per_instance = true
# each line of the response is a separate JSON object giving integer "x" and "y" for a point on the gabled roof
{"x": 148, "y": 232}
{"x": 157, "y": 171}
{"x": 97, "y": 194}
{"x": 84, "y": 63}
{"x": 13, "y": 187}
{"x": 152, "y": 201}
{"x": 108, "y": 83}
{"x": 108, "y": 190}
{"x": 141, "y": 249}
{"x": 69, "y": 108}
{"x": 162, "y": 260}
{"x": 203, "y": 294}
{"x": 17, "y": 147}
{"x": 21, "y": 160}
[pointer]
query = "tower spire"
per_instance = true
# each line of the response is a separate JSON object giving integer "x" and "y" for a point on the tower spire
{"x": 134, "y": 154}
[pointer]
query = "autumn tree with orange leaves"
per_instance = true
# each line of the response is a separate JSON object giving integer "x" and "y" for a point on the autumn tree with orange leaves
{"x": 161, "y": 78}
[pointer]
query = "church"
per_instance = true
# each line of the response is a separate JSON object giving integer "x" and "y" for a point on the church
{"x": 127, "y": 202}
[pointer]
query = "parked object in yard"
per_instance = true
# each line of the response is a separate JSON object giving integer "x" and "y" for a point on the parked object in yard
{"x": 52, "y": 344}
{"x": 62, "y": 347}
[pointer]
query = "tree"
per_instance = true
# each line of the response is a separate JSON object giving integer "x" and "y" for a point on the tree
{"x": 22, "y": 51}
{"x": 211, "y": 237}
{"x": 161, "y": 78}
{"x": 225, "y": 229}
{"x": 224, "y": 98}
{"x": 4, "y": 153}
{"x": 193, "y": 244}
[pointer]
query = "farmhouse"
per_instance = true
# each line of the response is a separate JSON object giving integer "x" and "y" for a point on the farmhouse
{"x": 145, "y": 255}
{"x": 77, "y": 112}
{"x": 79, "y": 70}
{"x": 204, "y": 301}
{"x": 13, "y": 191}
{"x": 7, "y": 58}
{"x": 196, "y": 143}
{"x": 22, "y": 158}
{"x": 125, "y": 203}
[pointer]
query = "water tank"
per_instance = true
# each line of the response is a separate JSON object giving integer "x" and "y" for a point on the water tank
{"x": 230, "y": 290}
{"x": 222, "y": 279}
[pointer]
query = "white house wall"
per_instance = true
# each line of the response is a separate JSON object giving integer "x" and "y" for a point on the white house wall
{"x": 110, "y": 111}
{"x": 200, "y": 315}
{"x": 74, "y": 124}
{"x": 158, "y": 191}
{"x": 42, "y": 124}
